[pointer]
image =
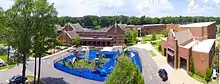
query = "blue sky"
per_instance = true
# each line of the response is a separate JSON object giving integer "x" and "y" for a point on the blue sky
{"x": 152, "y": 8}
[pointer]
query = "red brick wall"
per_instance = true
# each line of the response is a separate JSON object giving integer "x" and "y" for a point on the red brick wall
{"x": 173, "y": 26}
{"x": 212, "y": 31}
{"x": 150, "y": 29}
{"x": 203, "y": 32}
{"x": 184, "y": 53}
{"x": 117, "y": 34}
{"x": 196, "y": 31}
{"x": 201, "y": 61}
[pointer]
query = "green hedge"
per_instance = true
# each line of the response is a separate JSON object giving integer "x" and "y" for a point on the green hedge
{"x": 208, "y": 75}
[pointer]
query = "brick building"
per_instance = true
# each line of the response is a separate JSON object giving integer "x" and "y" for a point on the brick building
{"x": 112, "y": 36}
{"x": 196, "y": 40}
{"x": 147, "y": 29}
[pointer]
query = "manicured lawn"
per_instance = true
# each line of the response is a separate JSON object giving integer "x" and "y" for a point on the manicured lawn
{"x": 156, "y": 43}
{"x": 4, "y": 58}
{"x": 148, "y": 37}
{"x": 152, "y": 53}
{"x": 81, "y": 63}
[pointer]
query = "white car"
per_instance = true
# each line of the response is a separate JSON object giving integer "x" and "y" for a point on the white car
{"x": 214, "y": 73}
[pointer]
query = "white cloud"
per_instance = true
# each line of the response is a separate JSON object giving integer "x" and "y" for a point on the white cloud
{"x": 202, "y": 7}
{"x": 113, "y": 7}
{"x": 108, "y": 7}
{"x": 155, "y": 7}
{"x": 5, "y": 4}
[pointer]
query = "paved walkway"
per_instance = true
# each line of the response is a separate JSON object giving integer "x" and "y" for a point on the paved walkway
{"x": 178, "y": 76}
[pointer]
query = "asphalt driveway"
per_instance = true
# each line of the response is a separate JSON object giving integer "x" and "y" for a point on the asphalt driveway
{"x": 149, "y": 68}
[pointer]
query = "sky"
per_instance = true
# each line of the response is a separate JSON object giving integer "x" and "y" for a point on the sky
{"x": 151, "y": 8}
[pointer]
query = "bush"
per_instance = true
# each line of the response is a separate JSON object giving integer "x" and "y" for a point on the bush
{"x": 208, "y": 75}
{"x": 159, "y": 47}
{"x": 154, "y": 37}
{"x": 191, "y": 66}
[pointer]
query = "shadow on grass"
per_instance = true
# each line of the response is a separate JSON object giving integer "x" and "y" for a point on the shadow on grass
{"x": 50, "y": 80}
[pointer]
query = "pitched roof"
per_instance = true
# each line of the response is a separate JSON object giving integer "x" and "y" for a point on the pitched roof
{"x": 58, "y": 27}
{"x": 77, "y": 27}
{"x": 199, "y": 24}
{"x": 183, "y": 36}
{"x": 71, "y": 34}
{"x": 122, "y": 26}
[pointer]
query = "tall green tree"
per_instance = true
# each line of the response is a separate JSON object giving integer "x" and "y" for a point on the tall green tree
{"x": 125, "y": 72}
{"x": 44, "y": 20}
{"x": 165, "y": 32}
{"x": 19, "y": 22}
{"x": 128, "y": 37}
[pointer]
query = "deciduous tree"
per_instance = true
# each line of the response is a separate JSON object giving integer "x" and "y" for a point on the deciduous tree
{"x": 44, "y": 20}
{"x": 19, "y": 22}
{"x": 125, "y": 73}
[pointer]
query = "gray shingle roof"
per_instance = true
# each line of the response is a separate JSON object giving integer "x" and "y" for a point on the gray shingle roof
{"x": 58, "y": 27}
{"x": 71, "y": 34}
{"x": 183, "y": 36}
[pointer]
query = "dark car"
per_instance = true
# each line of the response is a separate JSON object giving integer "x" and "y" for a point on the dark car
{"x": 2, "y": 64}
{"x": 17, "y": 80}
{"x": 163, "y": 74}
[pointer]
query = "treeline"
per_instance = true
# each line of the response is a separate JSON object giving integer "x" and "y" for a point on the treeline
{"x": 91, "y": 21}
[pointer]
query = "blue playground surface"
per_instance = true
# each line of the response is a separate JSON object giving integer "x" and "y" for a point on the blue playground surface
{"x": 102, "y": 72}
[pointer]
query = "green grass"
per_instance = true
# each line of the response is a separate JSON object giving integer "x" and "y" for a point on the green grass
{"x": 104, "y": 60}
{"x": 81, "y": 63}
{"x": 156, "y": 43}
{"x": 198, "y": 78}
{"x": 152, "y": 53}
{"x": 148, "y": 37}
{"x": 10, "y": 64}
{"x": 3, "y": 57}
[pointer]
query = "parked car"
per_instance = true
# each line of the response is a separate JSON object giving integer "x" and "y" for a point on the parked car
{"x": 17, "y": 80}
{"x": 163, "y": 74}
{"x": 214, "y": 72}
{"x": 2, "y": 64}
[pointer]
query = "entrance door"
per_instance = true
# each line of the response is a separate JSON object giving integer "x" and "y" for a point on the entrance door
{"x": 183, "y": 63}
{"x": 171, "y": 60}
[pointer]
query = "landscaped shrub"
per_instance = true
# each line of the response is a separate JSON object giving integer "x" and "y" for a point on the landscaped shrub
{"x": 208, "y": 75}
{"x": 154, "y": 37}
{"x": 159, "y": 47}
{"x": 191, "y": 66}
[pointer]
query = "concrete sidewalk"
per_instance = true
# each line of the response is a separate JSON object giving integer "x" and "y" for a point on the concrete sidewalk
{"x": 54, "y": 54}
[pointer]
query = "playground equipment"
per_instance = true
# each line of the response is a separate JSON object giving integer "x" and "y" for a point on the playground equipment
{"x": 86, "y": 54}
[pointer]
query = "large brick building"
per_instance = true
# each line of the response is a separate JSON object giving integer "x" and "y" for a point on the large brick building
{"x": 111, "y": 36}
{"x": 196, "y": 41}
{"x": 147, "y": 29}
